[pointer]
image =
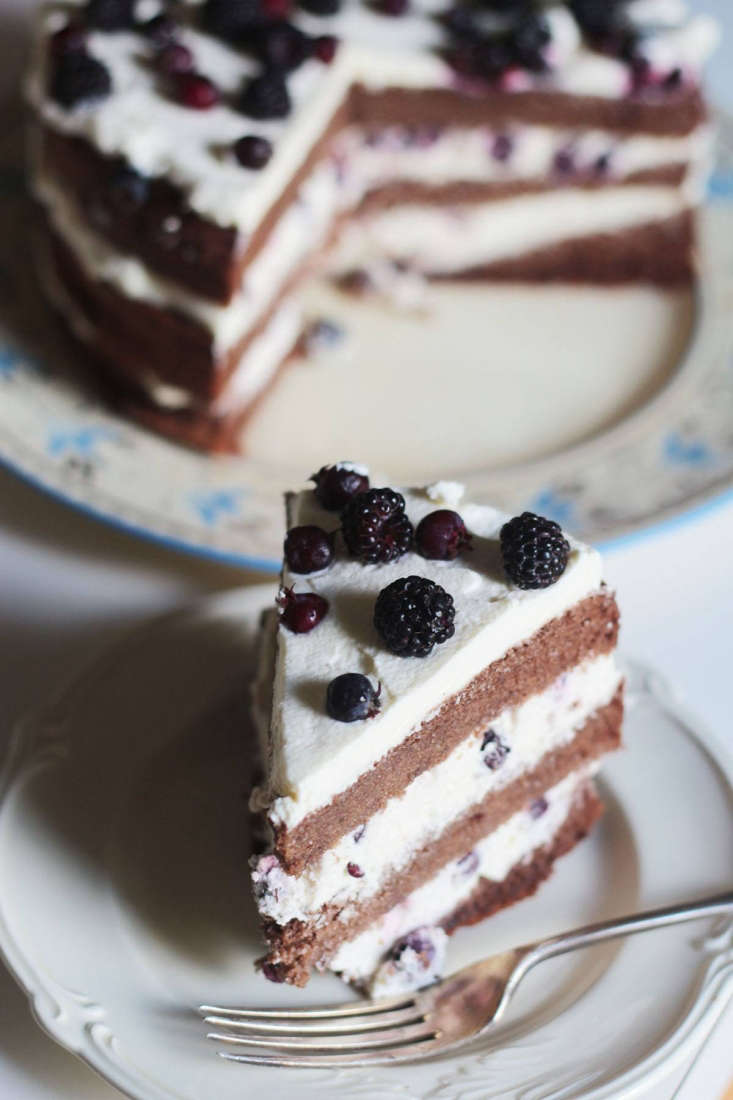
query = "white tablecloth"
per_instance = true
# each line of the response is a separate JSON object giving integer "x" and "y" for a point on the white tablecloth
{"x": 69, "y": 586}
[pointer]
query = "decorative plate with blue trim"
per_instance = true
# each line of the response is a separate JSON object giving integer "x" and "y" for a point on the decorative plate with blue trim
{"x": 608, "y": 409}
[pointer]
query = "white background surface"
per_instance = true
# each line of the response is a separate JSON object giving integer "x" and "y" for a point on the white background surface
{"x": 69, "y": 586}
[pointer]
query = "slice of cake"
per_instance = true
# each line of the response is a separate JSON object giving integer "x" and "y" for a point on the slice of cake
{"x": 435, "y": 693}
{"x": 193, "y": 169}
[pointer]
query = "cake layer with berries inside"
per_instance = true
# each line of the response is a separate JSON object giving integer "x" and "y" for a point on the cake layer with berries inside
{"x": 194, "y": 170}
{"x": 420, "y": 713}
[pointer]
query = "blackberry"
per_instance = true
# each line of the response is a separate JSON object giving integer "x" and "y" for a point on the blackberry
{"x": 336, "y": 485}
{"x": 252, "y": 151}
{"x": 128, "y": 190}
{"x": 111, "y": 15}
{"x": 79, "y": 78}
{"x": 279, "y": 45}
{"x": 351, "y": 698}
{"x": 308, "y": 549}
{"x": 441, "y": 535}
{"x": 266, "y": 96}
{"x": 529, "y": 39}
{"x": 300, "y": 612}
{"x": 534, "y": 550}
{"x": 375, "y": 526}
{"x": 231, "y": 19}
{"x": 412, "y": 615}
{"x": 161, "y": 30}
{"x": 320, "y": 7}
{"x": 597, "y": 18}
{"x": 70, "y": 39}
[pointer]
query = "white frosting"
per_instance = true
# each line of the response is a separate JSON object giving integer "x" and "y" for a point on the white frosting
{"x": 442, "y": 240}
{"x": 438, "y": 797}
{"x": 312, "y": 756}
{"x": 160, "y": 137}
{"x": 510, "y": 844}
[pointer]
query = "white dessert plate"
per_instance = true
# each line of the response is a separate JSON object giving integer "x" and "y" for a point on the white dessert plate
{"x": 606, "y": 409}
{"x": 125, "y": 904}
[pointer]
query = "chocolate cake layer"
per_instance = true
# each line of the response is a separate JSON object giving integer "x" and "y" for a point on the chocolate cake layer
{"x": 299, "y": 946}
{"x": 660, "y": 253}
{"x": 662, "y": 113}
{"x": 525, "y": 878}
{"x": 588, "y": 629}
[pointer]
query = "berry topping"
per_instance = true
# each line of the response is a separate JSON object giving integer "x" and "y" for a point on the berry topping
{"x": 277, "y": 9}
{"x": 111, "y": 15}
{"x": 196, "y": 91}
{"x": 392, "y": 7}
{"x": 231, "y": 19}
{"x": 273, "y": 972}
{"x": 279, "y": 45}
{"x": 597, "y": 18}
{"x": 534, "y": 550}
{"x": 128, "y": 190}
{"x": 252, "y": 151}
{"x": 354, "y": 870}
{"x": 375, "y": 526}
{"x": 441, "y": 535}
{"x": 266, "y": 97}
{"x": 320, "y": 7}
{"x": 174, "y": 58}
{"x": 538, "y": 807}
{"x": 530, "y": 38}
{"x": 161, "y": 30}
{"x": 494, "y": 750}
{"x": 324, "y": 48}
{"x": 301, "y": 611}
{"x": 79, "y": 78}
{"x": 351, "y": 698}
{"x": 412, "y": 615}
{"x": 70, "y": 39}
{"x": 336, "y": 485}
{"x": 308, "y": 549}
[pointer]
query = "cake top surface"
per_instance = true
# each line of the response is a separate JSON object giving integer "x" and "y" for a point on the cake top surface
{"x": 313, "y": 756}
{"x": 141, "y": 113}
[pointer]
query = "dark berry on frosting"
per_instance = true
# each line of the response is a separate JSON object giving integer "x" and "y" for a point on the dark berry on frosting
{"x": 392, "y": 7}
{"x": 352, "y": 698}
{"x": 253, "y": 151}
{"x": 79, "y": 78}
{"x": 441, "y": 535}
{"x": 354, "y": 870}
{"x": 70, "y": 39}
{"x": 529, "y": 40}
{"x": 174, "y": 58}
{"x": 308, "y": 549}
{"x": 277, "y": 9}
{"x": 534, "y": 550}
{"x": 538, "y": 807}
{"x": 320, "y": 7}
{"x": 597, "y": 18}
{"x": 161, "y": 30}
{"x": 413, "y": 615}
{"x": 280, "y": 45}
{"x": 266, "y": 96}
{"x": 196, "y": 91}
{"x": 128, "y": 190}
{"x": 300, "y": 612}
{"x": 375, "y": 527}
{"x": 494, "y": 750}
{"x": 111, "y": 15}
{"x": 231, "y": 19}
{"x": 336, "y": 485}
{"x": 325, "y": 47}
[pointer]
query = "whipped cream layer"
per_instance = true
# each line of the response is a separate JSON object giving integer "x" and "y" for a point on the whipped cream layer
{"x": 387, "y": 843}
{"x": 493, "y": 858}
{"x": 312, "y": 757}
{"x": 192, "y": 149}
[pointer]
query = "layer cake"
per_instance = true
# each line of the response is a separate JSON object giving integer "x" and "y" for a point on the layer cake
{"x": 196, "y": 161}
{"x": 432, "y": 704}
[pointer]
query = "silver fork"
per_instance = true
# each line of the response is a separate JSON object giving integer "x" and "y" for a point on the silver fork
{"x": 440, "y": 1017}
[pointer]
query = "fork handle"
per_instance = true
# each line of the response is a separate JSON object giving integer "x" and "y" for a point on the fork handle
{"x": 626, "y": 926}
